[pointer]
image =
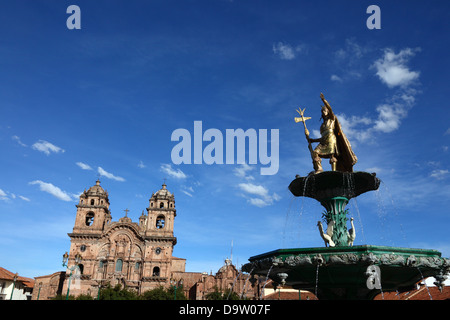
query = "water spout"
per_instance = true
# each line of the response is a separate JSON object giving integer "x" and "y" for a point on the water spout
{"x": 234, "y": 282}
{"x": 426, "y": 286}
{"x": 317, "y": 279}
{"x": 267, "y": 277}
{"x": 245, "y": 283}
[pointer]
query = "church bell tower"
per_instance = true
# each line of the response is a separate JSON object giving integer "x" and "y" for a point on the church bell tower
{"x": 161, "y": 213}
{"x": 92, "y": 211}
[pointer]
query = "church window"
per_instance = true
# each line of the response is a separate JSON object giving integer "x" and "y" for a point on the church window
{"x": 81, "y": 268}
{"x": 102, "y": 202}
{"x": 151, "y": 204}
{"x": 82, "y": 201}
{"x": 171, "y": 205}
{"x": 156, "y": 272}
{"x": 158, "y": 250}
{"x": 161, "y": 205}
{"x": 83, "y": 248}
{"x": 119, "y": 264}
{"x": 160, "y": 222}
{"x": 89, "y": 218}
{"x": 137, "y": 266}
{"x": 92, "y": 202}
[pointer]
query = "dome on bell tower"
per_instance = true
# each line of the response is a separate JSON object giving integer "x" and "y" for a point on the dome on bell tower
{"x": 96, "y": 190}
{"x": 163, "y": 192}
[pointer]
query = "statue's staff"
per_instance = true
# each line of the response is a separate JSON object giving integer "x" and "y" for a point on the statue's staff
{"x": 303, "y": 119}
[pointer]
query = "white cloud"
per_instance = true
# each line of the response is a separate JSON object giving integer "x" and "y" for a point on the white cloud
{"x": 391, "y": 113}
{"x": 17, "y": 139}
{"x": 335, "y": 78}
{"x": 286, "y": 51}
{"x": 141, "y": 164}
{"x": 351, "y": 51}
{"x": 84, "y": 166}
{"x": 439, "y": 174}
{"x": 258, "y": 202}
{"x": 53, "y": 190}
{"x": 46, "y": 147}
{"x": 348, "y": 62}
{"x": 24, "y": 198}
{"x": 187, "y": 193}
{"x": 242, "y": 170}
{"x": 3, "y": 195}
{"x": 254, "y": 189}
{"x": 264, "y": 199}
{"x": 108, "y": 175}
{"x": 389, "y": 117}
{"x": 178, "y": 174}
{"x": 392, "y": 69}
{"x": 355, "y": 127}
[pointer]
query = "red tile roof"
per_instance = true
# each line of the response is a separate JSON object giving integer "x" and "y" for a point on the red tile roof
{"x": 8, "y": 275}
{"x": 423, "y": 293}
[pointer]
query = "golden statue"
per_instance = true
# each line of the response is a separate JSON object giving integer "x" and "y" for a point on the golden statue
{"x": 333, "y": 143}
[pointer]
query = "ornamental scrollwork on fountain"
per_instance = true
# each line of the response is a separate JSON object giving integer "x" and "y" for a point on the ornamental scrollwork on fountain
{"x": 343, "y": 259}
{"x": 392, "y": 259}
{"x": 370, "y": 258}
{"x": 298, "y": 260}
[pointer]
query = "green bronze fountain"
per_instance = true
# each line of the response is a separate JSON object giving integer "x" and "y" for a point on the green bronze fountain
{"x": 340, "y": 270}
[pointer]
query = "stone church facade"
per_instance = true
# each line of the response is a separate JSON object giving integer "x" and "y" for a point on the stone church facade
{"x": 137, "y": 256}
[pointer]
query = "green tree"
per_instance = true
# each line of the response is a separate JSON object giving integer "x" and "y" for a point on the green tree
{"x": 161, "y": 293}
{"x": 155, "y": 294}
{"x": 230, "y": 295}
{"x": 218, "y": 295}
{"x": 117, "y": 293}
{"x": 63, "y": 297}
{"x": 84, "y": 297}
{"x": 215, "y": 295}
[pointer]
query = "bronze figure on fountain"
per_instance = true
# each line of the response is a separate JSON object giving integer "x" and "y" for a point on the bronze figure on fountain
{"x": 333, "y": 144}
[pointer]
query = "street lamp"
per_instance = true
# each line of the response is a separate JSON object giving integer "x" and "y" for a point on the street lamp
{"x": 39, "y": 292}
{"x": 77, "y": 262}
{"x": 14, "y": 284}
{"x": 175, "y": 285}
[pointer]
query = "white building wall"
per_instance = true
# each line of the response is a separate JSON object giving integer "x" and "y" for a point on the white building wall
{"x": 6, "y": 287}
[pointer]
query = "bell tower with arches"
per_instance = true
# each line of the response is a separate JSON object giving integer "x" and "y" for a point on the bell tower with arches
{"x": 161, "y": 213}
{"x": 92, "y": 211}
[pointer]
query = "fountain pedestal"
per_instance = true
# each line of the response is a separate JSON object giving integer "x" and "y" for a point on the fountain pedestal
{"x": 343, "y": 271}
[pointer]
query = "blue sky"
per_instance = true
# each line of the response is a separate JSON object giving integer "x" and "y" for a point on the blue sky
{"x": 105, "y": 99}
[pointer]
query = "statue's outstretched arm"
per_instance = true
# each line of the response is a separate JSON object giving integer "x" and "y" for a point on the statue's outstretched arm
{"x": 326, "y": 104}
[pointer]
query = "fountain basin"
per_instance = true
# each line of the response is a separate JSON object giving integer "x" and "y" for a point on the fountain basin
{"x": 346, "y": 272}
{"x": 330, "y": 184}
